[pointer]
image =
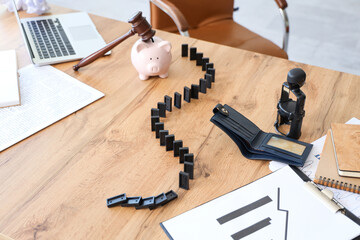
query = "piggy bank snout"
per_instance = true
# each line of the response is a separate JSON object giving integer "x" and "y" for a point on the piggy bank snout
{"x": 153, "y": 67}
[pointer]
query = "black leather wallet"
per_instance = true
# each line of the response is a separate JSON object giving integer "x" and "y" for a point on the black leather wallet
{"x": 256, "y": 144}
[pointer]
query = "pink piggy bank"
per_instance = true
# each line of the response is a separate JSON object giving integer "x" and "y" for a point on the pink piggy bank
{"x": 151, "y": 58}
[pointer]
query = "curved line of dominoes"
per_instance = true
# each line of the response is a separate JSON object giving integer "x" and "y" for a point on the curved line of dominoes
{"x": 168, "y": 140}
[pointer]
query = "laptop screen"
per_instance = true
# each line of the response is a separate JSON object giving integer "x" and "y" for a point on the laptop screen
{"x": 22, "y": 30}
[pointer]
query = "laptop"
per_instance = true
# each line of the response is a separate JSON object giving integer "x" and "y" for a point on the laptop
{"x": 59, "y": 38}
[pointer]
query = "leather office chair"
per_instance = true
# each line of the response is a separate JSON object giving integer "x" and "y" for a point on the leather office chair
{"x": 212, "y": 20}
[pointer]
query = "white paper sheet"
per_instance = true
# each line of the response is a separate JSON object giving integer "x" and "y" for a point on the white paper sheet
{"x": 47, "y": 95}
{"x": 350, "y": 200}
{"x": 9, "y": 85}
{"x": 293, "y": 212}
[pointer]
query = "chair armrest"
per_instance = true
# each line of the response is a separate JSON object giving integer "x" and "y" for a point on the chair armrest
{"x": 282, "y": 4}
{"x": 176, "y": 15}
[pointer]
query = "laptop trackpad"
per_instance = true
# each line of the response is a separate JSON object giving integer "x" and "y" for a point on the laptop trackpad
{"x": 85, "y": 32}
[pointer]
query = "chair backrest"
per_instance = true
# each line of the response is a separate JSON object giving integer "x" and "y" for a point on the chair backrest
{"x": 196, "y": 12}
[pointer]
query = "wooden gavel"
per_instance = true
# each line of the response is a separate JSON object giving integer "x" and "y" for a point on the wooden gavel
{"x": 139, "y": 26}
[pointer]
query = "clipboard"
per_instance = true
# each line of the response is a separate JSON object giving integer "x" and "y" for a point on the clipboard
{"x": 285, "y": 204}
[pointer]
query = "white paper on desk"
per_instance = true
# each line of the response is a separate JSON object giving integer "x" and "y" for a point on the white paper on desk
{"x": 350, "y": 200}
{"x": 289, "y": 209}
{"x": 9, "y": 84}
{"x": 47, "y": 95}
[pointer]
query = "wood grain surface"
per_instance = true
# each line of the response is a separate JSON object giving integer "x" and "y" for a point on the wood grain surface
{"x": 54, "y": 184}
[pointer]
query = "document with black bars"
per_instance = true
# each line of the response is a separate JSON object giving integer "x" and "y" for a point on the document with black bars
{"x": 277, "y": 206}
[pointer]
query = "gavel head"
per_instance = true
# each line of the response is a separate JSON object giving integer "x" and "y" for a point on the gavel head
{"x": 141, "y": 27}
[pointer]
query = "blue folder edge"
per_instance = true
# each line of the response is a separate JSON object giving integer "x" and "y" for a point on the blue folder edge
{"x": 166, "y": 232}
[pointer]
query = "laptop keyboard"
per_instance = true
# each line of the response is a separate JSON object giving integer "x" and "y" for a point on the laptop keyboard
{"x": 50, "y": 38}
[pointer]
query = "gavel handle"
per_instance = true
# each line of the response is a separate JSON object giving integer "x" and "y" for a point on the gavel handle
{"x": 89, "y": 59}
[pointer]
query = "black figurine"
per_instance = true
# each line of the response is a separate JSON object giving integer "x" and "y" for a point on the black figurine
{"x": 291, "y": 112}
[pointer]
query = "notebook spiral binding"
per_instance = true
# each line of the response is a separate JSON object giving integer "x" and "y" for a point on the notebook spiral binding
{"x": 328, "y": 182}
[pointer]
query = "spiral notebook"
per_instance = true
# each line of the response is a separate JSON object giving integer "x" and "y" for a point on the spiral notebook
{"x": 346, "y": 143}
{"x": 327, "y": 172}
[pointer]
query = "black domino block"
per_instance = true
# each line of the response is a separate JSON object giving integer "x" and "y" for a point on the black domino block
{"x": 184, "y": 180}
{"x": 184, "y": 50}
{"x": 177, "y": 100}
{"x": 159, "y": 200}
{"x": 168, "y": 103}
{"x": 169, "y": 139}
{"x": 212, "y": 72}
{"x": 203, "y": 85}
{"x": 177, "y": 145}
{"x": 155, "y": 112}
{"x": 189, "y": 168}
{"x": 153, "y": 121}
{"x": 162, "y": 109}
{"x": 195, "y": 91}
{"x": 188, "y": 157}
{"x": 182, "y": 152}
{"x": 208, "y": 78}
{"x": 193, "y": 53}
{"x": 204, "y": 62}
{"x": 116, "y": 201}
{"x": 199, "y": 57}
{"x": 158, "y": 126}
{"x": 209, "y": 65}
{"x": 132, "y": 202}
{"x": 146, "y": 203}
{"x": 162, "y": 134}
{"x": 187, "y": 94}
{"x": 170, "y": 195}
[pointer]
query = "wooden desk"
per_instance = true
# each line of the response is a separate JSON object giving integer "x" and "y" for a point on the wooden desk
{"x": 54, "y": 184}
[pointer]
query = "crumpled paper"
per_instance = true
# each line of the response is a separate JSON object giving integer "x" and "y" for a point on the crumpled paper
{"x": 31, "y": 6}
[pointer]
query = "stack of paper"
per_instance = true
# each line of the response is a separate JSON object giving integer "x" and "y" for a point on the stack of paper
{"x": 9, "y": 85}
